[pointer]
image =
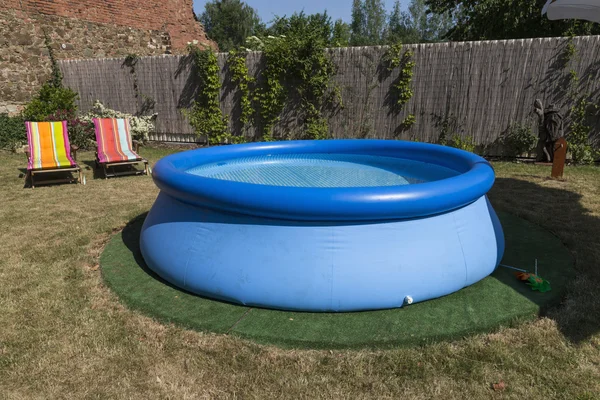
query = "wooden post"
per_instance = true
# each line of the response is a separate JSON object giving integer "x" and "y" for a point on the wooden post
{"x": 560, "y": 155}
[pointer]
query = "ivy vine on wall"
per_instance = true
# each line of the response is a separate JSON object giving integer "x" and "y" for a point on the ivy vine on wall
{"x": 297, "y": 72}
{"x": 296, "y": 68}
{"x": 205, "y": 115}
{"x": 241, "y": 78}
{"x": 401, "y": 89}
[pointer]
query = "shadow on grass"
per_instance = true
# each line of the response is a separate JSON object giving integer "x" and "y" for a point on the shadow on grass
{"x": 91, "y": 165}
{"x": 557, "y": 210}
{"x": 98, "y": 172}
{"x": 131, "y": 239}
{"x": 560, "y": 211}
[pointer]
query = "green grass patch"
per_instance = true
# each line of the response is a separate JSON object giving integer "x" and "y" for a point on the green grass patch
{"x": 498, "y": 300}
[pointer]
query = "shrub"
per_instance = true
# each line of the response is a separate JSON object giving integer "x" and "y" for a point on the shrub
{"x": 464, "y": 143}
{"x": 141, "y": 126}
{"x": 517, "y": 140}
{"x": 81, "y": 133}
{"x": 578, "y": 139}
{"x": 12, "y": 132}
{"x": 449, "y": 127}
{"x": 50, "y": 100}
{"x": 583, "y": 153}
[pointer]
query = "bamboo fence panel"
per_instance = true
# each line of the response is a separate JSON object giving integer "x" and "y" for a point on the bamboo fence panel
{"x": 479, "y": 88}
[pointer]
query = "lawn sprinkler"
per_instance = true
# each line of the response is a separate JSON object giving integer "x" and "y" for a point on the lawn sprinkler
{"x": 536, "y": 282}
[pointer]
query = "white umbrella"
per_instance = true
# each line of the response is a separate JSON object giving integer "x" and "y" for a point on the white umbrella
{"x": 588, "y": 10}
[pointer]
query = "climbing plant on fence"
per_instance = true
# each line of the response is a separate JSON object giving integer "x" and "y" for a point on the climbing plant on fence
{"x": 241, "y": 78}
{"x": 205, "y": 115}
{"x": 580, "y": 148}
{"x": 400, "y": 88}
{"x": 296, "y": 67}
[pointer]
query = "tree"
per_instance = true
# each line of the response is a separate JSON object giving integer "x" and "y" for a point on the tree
{"x": 428, "y": 26}
{"x": 504, "y": 19}
{"x": 399, "y": 26}
{"x": 368, "y": 23}
{"x": 358, "y": 24}
{"x": 317, "y": 25}
{"x": 341, "y": 34}
{"x": 229, "y": 22}
{"x": 418, "y": 25}
{"x": 375, "y": 21}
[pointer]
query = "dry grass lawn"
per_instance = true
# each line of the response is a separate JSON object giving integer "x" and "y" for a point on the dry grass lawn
{"x": 64, "y": 335}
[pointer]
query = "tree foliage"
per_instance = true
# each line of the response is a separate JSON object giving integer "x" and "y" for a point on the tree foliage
{"x": 376, "y": 21}
{"x": 369, "y": 22}
{"x": 417, "y": 25}
{"x": 427, "y": 26}
{"x": 358, "y": 24}
{"x": 297, "y": 66}
{"x": 398, "y": 26}
{"x": 503, "y": 19}
{"x": 229, "y": 22}
{"x": 317, "y": 26}
{"x": 341, "y": 35}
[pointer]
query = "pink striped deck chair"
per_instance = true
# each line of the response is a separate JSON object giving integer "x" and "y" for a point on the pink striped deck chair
{"x": 49, "y": 151}
{"x": 115, "y": 148}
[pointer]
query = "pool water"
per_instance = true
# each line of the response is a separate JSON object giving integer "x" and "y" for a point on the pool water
{"x": 323, "y": 170}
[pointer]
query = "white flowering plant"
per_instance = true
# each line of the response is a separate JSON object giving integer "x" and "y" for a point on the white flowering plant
{"x": 141, "y": 126}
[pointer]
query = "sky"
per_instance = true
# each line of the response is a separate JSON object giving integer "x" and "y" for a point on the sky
{"x": 267, "y": 9}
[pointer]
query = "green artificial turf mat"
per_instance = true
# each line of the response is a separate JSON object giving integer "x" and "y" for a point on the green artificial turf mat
{"x": 500, "y": 299}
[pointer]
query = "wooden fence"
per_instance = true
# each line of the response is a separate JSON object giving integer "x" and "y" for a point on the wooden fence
{"x": 476, "y": 89}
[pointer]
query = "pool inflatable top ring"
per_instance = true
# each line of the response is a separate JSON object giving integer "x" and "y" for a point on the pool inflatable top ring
{"x": 476, "y": 177}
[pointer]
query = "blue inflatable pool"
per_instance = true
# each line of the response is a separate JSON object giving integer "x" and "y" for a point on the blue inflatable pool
{"x": 335, "y": 225}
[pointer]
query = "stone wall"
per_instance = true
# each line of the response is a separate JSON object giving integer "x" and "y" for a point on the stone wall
{"x": 82, "y": 30}
{"x": 175, "y": 17}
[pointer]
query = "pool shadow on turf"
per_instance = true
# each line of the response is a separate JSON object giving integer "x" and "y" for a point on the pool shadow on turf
{"x": 254, "y": 327}
{"x": 131, "y": 238}
{"x": 124, "y": 271}
{"x": 560, "y": 211}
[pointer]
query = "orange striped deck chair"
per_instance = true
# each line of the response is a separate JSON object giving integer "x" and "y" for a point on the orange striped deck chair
{"x": 115, "y": 148}
{"x": 49, "y": 151}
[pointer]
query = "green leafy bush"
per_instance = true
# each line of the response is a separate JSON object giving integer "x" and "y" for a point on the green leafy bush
{"x": 141, "y": 126}
{"x": 578, "y": 139}
{"x": 53, "y": 97}
{"x": 50, "y": 100}
{"x": 583, "y": 153}
{"x": 81, "y": 133}
{"x": 462, "y": 142}
{"x": 449, "y": 127}
{"x": 519, "y": 139}
{"x": 12, "y": 132}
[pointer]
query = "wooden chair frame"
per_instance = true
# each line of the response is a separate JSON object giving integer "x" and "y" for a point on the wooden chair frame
{"x": 31, "y": 173}
{"x": 105, "y": 166}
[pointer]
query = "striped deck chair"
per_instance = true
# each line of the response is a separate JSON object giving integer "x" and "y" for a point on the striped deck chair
{"x": 115, "y": 148}
{"x": 49, "y": 151}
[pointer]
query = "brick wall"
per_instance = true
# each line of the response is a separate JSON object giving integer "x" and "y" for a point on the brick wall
{"x": 172, "y": 16}
{"x": 84, "y": 29}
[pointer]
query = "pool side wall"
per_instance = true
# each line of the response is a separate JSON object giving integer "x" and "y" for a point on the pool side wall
{"x": 320, "y": 266}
